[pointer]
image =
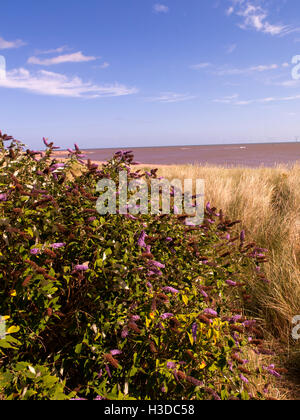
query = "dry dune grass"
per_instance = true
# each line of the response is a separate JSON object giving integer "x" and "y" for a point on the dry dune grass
{"x": 267, "y": 200}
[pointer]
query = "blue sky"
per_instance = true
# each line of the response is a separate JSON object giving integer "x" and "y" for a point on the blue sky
{"x": 123, "y": 73}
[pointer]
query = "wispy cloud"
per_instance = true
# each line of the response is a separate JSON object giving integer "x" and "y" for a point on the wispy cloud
{"x": 6, "y": 45}
{"x": 104, "y": 65}
{"x": 200, "y": 66}
{"x": 245, "y": 71}
{"x": 229, "y": 11}
{"x": 227, "y": 99}
{"x": 233, "y": 71}
{"x": 77, "y": 57}
{"x": 56, "y": 84}
{"x": 171, "y": 97}
{"x": 58, "y": 50}
{"x": 161, "y": 8}
{"x": 255, "y": 15}
{"x": 235, "y": 100}
{"x": 288, "y": 83}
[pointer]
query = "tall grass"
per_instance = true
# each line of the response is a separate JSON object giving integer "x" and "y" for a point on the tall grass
{"x": 267, "y": 200}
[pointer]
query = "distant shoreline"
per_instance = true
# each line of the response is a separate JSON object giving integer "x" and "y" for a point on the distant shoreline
{"x": 89, "y": 150}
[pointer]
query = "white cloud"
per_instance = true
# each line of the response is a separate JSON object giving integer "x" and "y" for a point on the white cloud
{"x": 104, "y": 65}
{"x": 248, "y": 70}
{"x": 200, "y": 66}
{"x": 172, "y": 97}
{"x": 160, "y": 8}
{"x": 56, "y": 84}
{"x": 229, "y": 11}
{"x": 255, "y": 16}
{"x": 233, "y": 100}
{"x": 243, "y": 103}
{"x": 227, "y": 99}
{"x": 264, "y": 67}
{"x": 5, "y": 45}
{"x": 233, "y": 71}
{"x": 77, "y": 57}
{"x": 58, "y": 50}
{"x": 288, "y": 83}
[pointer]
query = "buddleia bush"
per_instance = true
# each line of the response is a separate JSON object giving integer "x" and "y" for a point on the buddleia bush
{"x": 117, "y": 306}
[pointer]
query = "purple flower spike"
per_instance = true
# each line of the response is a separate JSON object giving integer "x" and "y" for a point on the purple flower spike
{"x": 3, "y": 197}
{"x": 157, "y": 264}
{"x": 243, "y": 236}
{"x": 45, "y": 142}
{"x": 231, "y": 283}
{"x": 108, "y": 370}
{"x": 154, "y": 272}
{"x": 125, "y": 333}
{"x": 57, "y": 166}
{"x": 204, "y": 294}
{"x": 58, "y": 245}
{"x": 170, "y": 290}
{"x": 81, "y": 267}
{"x": 130, "y": 216}
{"x": 236, "y": 318}
{"x": 271, "y": 370}
{"x": 166, "y": 316}
{"x": 141, "y": 240}
{"x": 211, "y": 312}
{"x": 115, "y": 352}
{"x": 244, "y": 379}
{"x": 194, "y": 331}
{"x": 171, "y": 365}
{"x": 34, "y": 251}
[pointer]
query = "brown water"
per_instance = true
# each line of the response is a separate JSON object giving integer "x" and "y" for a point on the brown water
{"x": 252, "y": 155}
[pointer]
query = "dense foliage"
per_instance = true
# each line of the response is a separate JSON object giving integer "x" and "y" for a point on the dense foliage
{"x": 141, "y": 307}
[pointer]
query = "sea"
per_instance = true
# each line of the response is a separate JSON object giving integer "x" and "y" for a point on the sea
{"x": 250, "y": 155}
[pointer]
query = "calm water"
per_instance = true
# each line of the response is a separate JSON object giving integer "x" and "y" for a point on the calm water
{"x": 246, "y": 155}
